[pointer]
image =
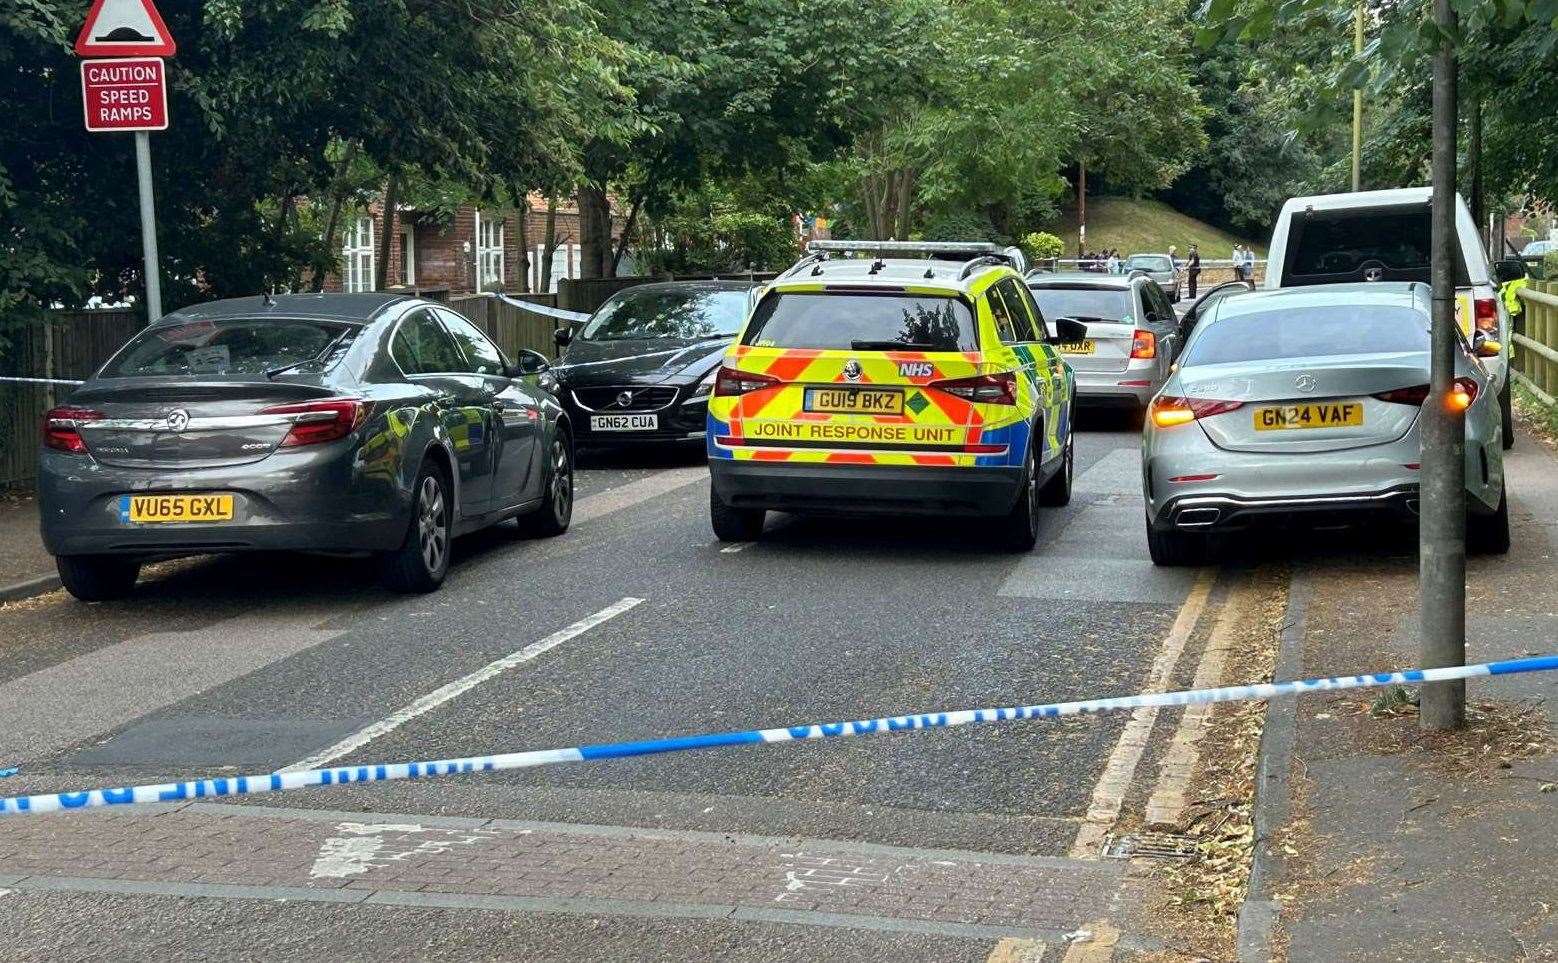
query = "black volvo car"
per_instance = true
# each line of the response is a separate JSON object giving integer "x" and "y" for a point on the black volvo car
{"x": 641, "y": 368}
{"x": 371, "y": 423}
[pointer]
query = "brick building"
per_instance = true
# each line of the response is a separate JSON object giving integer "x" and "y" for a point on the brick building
{"x": 431, "y": 254}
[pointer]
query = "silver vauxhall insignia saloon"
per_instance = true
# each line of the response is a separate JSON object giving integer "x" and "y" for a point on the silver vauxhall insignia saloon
{"x": 374, "y": 423}
{"x": 1303, "y": 405}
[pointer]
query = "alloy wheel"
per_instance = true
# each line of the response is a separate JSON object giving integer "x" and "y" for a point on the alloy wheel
{"x": 562, "y": 481}
{"x": 432, "y": 532}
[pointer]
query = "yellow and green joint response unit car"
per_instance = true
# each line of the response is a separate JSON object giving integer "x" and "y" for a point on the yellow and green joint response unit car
{"x": 909, "y": 378}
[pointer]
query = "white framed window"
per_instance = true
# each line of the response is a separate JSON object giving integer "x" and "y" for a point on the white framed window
{"x": 489, "y": 251}
{"x": 357, "y": 255}
{"x": 565, "y": 264}
{"x": 408, "y": 255}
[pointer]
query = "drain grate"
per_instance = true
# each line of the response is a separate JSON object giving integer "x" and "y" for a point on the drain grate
{"x": 1150, "y": 846}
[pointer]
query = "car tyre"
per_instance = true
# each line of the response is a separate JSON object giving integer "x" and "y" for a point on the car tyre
{"x": 1057, "y": 491}
{"x": 1019, "y": 530}
{"x": 98, "y": 578}
{"x": 422, "y": 560}
{"x": 556, "y": 510}
{"x": 1489, "y": 534}
{"x": 734, "y": 524}
{"x": 1174, "y": 549}
{"x": 1506, "y": 410}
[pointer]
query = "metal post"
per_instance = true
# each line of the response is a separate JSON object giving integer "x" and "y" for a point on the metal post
{"x": 1442, "y": 551}
{"x": 148, "y": 226}
{"x": 1081, "y": 207}
{"x": 1357, "y": 104}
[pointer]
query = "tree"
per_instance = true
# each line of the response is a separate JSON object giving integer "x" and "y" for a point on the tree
{"x": 486, "y": 93}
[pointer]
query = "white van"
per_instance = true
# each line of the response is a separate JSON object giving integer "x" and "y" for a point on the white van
{"x": 1385, "y": 236}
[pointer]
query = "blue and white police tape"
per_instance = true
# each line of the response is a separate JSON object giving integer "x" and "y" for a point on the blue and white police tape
{"x": 347, "y": 775}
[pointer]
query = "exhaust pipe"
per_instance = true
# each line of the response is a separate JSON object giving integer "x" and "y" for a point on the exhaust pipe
{"x": 1197, "y": 517}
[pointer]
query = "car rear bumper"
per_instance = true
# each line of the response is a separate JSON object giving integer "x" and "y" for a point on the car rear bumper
{"x": 1226, "y": 512}
{"x": 1103, "y": 388}
{"x": 319, "y": 501}
{"x": 865, "y": 489}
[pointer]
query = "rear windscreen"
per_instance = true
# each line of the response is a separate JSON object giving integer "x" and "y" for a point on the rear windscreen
{"x": 1363, "y": 245}
{"x": 1084, "y": 304}
{"x": 1149, "y": 263}
{"x": 224, "y": 347}
{"x": 862, "y": 322}
{"x": 637, "y": 315}
{"x": 1309, "y": 332}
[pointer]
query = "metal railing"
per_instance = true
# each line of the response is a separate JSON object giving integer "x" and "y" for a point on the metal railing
{"x": 1536, "y": 350}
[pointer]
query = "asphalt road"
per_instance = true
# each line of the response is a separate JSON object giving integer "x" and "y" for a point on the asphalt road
{"x": 254, "y": 664}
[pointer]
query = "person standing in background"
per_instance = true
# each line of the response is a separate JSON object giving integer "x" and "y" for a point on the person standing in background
{"x": 1114, "y": 261}
{"x": 1193, "y": 269}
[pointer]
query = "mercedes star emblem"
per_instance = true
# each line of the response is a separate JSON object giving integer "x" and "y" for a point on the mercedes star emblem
{"x": 1304, "y": 382}
{"x": 178, "y": 419}
{"x": 852, "y": 370}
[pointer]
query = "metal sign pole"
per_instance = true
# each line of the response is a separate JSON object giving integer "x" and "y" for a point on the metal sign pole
{"x": 148, "y": 226}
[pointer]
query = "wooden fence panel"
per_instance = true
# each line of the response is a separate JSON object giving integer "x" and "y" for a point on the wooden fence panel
{"x": 71, "y": 345}
{"x": 510, "y": 325}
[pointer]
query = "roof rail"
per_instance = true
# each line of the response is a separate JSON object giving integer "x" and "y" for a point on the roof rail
{"x": 815, "y": 257}
{"x": 981, "y": 261}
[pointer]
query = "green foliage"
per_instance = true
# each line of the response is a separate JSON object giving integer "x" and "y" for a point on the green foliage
{"x": 1508, "y": 53}
{"x": 1042, "y": 246}
{"x": 961, "y": 224}
{"x": 711, "y": 233}
{"x": 278, "y": 109}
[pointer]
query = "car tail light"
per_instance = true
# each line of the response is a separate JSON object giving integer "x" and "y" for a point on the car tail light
{"x": 1144, "y": 344}
{"x": 1485, "y": 311}
{"x": 733, "y": 381}
{"x": 1170, "y": 410}
{"x": 59, "y": 428}
{"x": 989, "y": 389}
{"x": 316, "y": 422}
{"x": 1462, "y": 393}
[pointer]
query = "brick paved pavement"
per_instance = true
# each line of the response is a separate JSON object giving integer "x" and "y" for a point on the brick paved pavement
{"x": 260, "y": 852}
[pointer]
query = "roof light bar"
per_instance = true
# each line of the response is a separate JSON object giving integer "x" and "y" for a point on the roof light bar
{"x": 969, "y": 248}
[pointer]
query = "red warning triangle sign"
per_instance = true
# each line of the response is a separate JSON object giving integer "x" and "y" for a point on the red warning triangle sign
{"x": 124, "y": 28}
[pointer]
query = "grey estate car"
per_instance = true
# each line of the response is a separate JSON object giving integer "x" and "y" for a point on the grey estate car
{"x": 351, "y": 423}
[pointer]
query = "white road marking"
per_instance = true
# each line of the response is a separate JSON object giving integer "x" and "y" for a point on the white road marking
{"x": 361, "y": 846}
{"x": 733, "y": 549}
{"x": 459, "y": 687}
{"x": 1117, "y": 473}
{"x": 1109, "y": 792}
{"x": 95, "y": 693}
{"x": 636, "y": 492}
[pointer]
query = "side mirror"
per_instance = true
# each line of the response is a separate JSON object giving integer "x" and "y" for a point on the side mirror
{"x": 1068, "y": 331}
{"x": 563, "y": 336}
{"x": 530, "y": 363}
{"x": 1509, "y": 269}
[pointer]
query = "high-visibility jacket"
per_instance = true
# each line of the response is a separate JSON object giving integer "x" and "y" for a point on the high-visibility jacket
{"x": 1511, "y": 294}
